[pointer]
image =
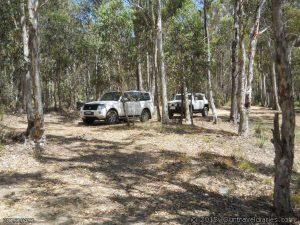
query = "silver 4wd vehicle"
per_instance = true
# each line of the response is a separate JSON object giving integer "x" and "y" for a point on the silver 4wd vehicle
{"x": 111, "y": 108}
{"x": 198, "y": 101}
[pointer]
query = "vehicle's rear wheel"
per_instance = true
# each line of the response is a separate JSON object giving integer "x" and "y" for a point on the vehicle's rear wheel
{"x": 205, "y": 112}
{"x": 88, "y": 121}
{"x": 145, "y": 116}
{"x": 112, "y": 117}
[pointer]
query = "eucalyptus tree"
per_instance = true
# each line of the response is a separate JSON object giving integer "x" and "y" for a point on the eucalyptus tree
{"x": 161, "y": 59}
{"x": 284, "y": 136}
{"x": 28, "y": 80}
{"x": 37, "y": 133}
{"x": 208, "y": 61}
{"x": 234, "y": 64}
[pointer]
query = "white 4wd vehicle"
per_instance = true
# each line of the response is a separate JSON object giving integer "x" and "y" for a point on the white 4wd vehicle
{"x": 198, "y": 101}
{"x": 111, "y": 108}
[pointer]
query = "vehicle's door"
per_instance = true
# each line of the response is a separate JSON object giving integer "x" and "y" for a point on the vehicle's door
{"x": 200, "y": 102}
{"x": 131, "y": 103}
{"x": 146, "y": 102}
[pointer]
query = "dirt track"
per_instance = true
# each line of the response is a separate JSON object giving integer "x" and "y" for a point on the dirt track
{"x": 146, "y": 174}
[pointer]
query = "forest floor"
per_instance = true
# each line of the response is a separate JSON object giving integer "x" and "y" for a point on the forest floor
{"x": 146, "y": 174}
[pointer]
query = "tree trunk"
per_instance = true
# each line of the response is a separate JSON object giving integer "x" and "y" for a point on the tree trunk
{"x": 155, "y": 80}
{"x": 242, "y": 74}
{"x": 234, "y": 70}
{"x": 139, "y": 67}
{"x": 163, "y": 82}
{"x": 28, "y": 82}
{"x": 38, "y": 132}
{"x": 187, "y": 113}
{"x": 253, "y": 42}
{"x": 148, "y": 71}
{"x": 283, "y": 138}
{"x": 210, "y": 91}
{"x": 264, "y": 90}
{"x": 275, "y": 102}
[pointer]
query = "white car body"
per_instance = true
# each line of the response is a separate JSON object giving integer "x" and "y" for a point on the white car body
{"x": 197, "y": 100}
{"x": 135, "y": 104}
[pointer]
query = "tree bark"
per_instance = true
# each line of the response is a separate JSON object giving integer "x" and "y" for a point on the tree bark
{"x": 252, "y": 51}
{"x": 187, "y": 113}
{"x": 210, "y": 91}
{"x": 155, "y": 80}
{"x": 234, "y": 70}
{"x": 275, "y": 100}
{"x": 264, "y": 90}
{"x": 164, "y": 97}
{"x": 242, "y": 74}
{"x": 139, "y": 67}
{"x": 283, "y": 138}
{"x": 148, "y": 71}
{"x": 38, "y": 132}
{"x": 28, "y": 82}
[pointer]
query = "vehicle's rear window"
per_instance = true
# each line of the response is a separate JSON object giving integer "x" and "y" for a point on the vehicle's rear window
{"x": 178, "y": 97}
{"x": 200, "y": 97}
{"x": 145, "y": 97}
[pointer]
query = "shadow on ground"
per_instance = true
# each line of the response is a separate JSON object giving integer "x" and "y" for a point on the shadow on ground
{"x": 146, "y": 186}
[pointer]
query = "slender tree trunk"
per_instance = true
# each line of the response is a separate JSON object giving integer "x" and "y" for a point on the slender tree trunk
{"x": 234, "y": 70}
{"x": 28, "y": 82}
{"x": 38, "y": 133}
{"x": 275, "y": 102}
{"x": 155, "y": 78}
{"x": 187, "y": 113}
{"x": 139, "y": 68}
{"x": 163, "y": 81}
{"x": 242, "y": 74}
{"x": 264, "y": 90}
{"x": 253, "y": 43}
{"x": 210, "y": 91}
{"x": 283, "y": 138}
{"x": 148, "y": 71}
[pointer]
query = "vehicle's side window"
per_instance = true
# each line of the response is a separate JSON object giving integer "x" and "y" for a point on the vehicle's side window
{"x": 131, "y": 96}
{"x": 145, "y": 97}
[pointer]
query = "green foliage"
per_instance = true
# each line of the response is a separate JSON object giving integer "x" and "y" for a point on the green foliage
{"x": 247, "y": 166}
{"x": 295, "y": 198}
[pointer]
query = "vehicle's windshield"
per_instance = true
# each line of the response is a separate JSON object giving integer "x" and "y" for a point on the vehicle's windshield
{"x": 178, "y": 97}
{"x": 111, "y": 96}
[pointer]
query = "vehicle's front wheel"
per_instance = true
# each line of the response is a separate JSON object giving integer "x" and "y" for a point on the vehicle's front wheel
{"x": 112, "y": 117}
{"x": 145, "y": 116}
{"x": 88, "y": 121}
{"x": 205, "y": 112}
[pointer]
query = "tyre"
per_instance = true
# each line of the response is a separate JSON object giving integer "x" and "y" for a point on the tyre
{"x": 145, "y": 116}
{"x": 171, "y": 115}
{"x": 112, "y": 117}
{"x": 88, "y": 121}
{"x": 205, "y": 112}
